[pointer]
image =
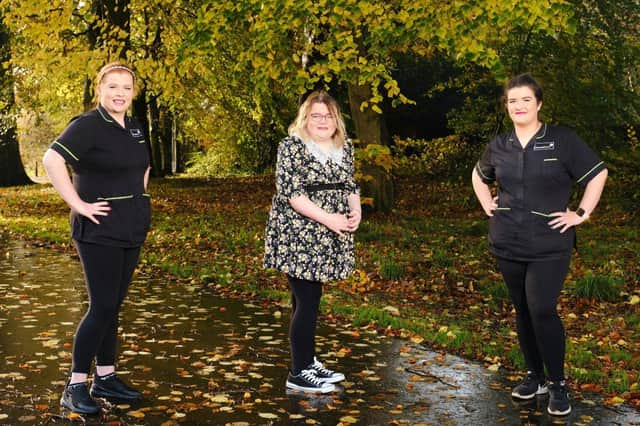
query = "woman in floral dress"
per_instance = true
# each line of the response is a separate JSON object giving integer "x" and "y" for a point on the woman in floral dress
{"x": 309, "y": 234}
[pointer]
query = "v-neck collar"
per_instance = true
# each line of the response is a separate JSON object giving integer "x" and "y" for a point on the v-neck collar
{"x": 541, "y": 133}
{"x": 109, "y": 119}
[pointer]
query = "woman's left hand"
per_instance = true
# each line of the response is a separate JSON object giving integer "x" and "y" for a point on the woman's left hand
{"x": 354, "y": 219}
{"x": 565, "y": 220}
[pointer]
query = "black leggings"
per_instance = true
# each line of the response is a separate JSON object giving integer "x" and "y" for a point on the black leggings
{"x": 107, "y": 272}
{"x": 534, "y": 288}
{"x": 305, "y": 302}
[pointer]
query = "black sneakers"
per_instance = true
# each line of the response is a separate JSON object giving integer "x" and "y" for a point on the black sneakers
{"x": 110, "y": 386}
{"x": 558, "y": 399}
{"x": 76, "y": 398}
{"x": 324, "y": 374}
{"x": 530, "y": 387}
{"x": 308, "y": 381}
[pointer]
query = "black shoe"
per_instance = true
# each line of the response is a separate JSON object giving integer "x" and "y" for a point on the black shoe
{"x": 324, "y": 374}
{"x": 307, "y": 381}
{"x": 530, "y": 387}
{"x": 76, "y": 398}
{"x": 558, "y": 399}
{"x": 110, "y": 386}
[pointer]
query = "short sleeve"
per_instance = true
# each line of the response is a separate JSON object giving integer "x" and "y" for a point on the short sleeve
{"x": 583, "y": 163}
{"x": 74, "y": 141}
{"x": 289, "y": 181}
{"x": 485, "y": 167}
{"x": 352, "y": 186}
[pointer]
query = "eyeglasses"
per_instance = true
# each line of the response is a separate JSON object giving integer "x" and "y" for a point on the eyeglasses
{"x": 320, "y": 117}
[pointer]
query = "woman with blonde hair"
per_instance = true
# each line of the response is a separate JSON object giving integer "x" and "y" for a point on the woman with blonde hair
{"x": 309, "y": 233}
{"x": 110, "y": 215}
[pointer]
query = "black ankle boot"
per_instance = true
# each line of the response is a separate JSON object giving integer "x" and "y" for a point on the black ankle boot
{"x": 76, "y": 398}
{"x": 110, "y": 386}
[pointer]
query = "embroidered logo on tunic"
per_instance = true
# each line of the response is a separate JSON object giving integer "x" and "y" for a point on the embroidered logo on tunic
{"x": 136, "y": 133}
{"x": 544, "y": 146}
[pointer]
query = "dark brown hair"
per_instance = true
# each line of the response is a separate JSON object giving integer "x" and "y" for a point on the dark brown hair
{"x": 523, "y": 80}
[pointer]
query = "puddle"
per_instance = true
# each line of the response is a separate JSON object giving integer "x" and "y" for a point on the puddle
{"x": 201, "y": 359}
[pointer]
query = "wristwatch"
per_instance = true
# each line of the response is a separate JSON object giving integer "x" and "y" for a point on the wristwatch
{"x": 580, "y": 212}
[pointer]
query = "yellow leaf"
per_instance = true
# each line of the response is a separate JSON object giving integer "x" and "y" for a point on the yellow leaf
{"x": 616, "y": 400}
{"x": 268, "y": 416}
{"x": 392, "y": 310}
{"x": 348, "y": 419}
{"x": 635, "y": 299}
{"x": 136, "y": 414}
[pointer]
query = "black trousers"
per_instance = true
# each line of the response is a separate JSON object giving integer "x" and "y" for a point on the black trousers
{"x": 107, "y": 271}
{"x": 534, "y": 288}
{"x": 305, "y": 302}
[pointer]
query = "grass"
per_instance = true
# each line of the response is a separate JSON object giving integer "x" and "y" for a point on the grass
{"x": 496, "y": 292}
{"x": 598, "y": 287}
{"x": 390, "y": 269}
{"x": 618, "y": 382}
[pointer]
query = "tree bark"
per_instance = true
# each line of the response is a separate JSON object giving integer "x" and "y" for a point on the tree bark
{"x": 11, "y": 168}
{"x": 153, "y": 134}
{"x": 371, "y": 129}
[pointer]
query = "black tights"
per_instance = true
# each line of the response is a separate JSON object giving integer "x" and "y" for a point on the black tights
{"x": 534, "y": 288}
{"x": 107, "y": 272}
{"x": 305, "y": 302}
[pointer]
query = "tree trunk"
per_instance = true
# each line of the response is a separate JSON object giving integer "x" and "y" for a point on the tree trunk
{"x": 164, "y": 139}
{"x": 109, "y": 14}
{"x": 11, "y": 168}
{"x": 153, "y": 134}
{"x": 371, "y": 129}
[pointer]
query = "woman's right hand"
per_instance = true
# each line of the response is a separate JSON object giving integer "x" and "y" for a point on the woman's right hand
{"x": 337, "y": 223}
{"x": 91, "y": 210}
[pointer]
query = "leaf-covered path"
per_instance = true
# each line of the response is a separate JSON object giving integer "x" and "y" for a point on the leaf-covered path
{"x": 201, "y": 359}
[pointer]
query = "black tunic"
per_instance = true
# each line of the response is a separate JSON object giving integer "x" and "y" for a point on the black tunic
{"x": 532, "y": 183}
{"x": 108, "y": 164}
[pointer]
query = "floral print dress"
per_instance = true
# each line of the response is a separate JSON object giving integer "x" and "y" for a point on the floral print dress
{"x": 295, "y": 244}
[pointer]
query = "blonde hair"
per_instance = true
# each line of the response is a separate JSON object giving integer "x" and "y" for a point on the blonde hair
{"x": 110, "y": 67}
{"x": 299, "y": 125}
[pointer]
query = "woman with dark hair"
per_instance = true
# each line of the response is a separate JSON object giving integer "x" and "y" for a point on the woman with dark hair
{"x": 110, "y": 217}
{"x": 309, "y": 234}
{"x": 532, "y": 228}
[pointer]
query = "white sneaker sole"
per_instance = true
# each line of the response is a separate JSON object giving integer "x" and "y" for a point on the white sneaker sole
{"x": 324, "y": 389}
{"x": 334, "y": 379}
{"x": 542, "y": 390}
{"x": 559, "y": 413}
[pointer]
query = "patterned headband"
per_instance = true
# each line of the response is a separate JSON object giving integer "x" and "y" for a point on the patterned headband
{"x": 118, "y": 67}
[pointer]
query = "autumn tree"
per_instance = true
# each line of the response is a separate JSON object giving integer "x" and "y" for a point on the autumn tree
{"x": 590, "y": 74}
{"x": 352, "y": 42}
{"x": 11, "y": 168}
{"x": 56, "y": 83}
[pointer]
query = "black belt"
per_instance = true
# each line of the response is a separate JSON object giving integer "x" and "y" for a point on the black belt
{"x": 324, "y": 186}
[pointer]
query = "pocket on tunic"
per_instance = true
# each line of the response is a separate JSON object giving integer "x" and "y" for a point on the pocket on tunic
{"x": 545, "y": 239}
{"x": 502, "y": 226}
{"x": 552, "y": 168}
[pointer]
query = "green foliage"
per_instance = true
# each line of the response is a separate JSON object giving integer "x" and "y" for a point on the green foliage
{"x": 441, "y": 158}
{"x": 618, "y": 382}
{"x": 307, "y": 44}
{"x": 390, "y": 269}
{"x": 598, "y": 287}
{"x": 622, "y": 163}
{"x": 598, "y": 98}
{"x": 496, "y": 292}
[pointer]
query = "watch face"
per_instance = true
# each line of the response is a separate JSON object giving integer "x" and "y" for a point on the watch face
{"x": 580, "y": 212}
